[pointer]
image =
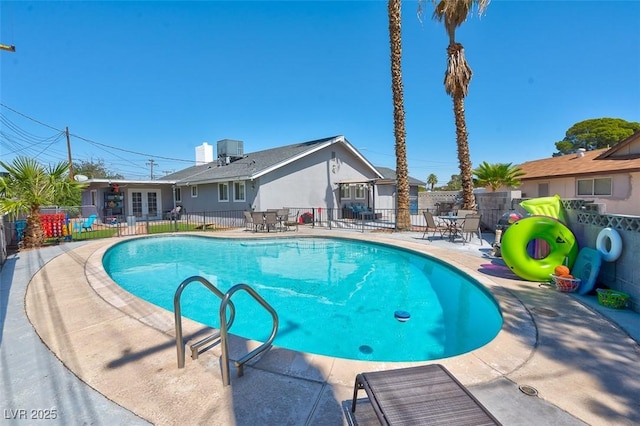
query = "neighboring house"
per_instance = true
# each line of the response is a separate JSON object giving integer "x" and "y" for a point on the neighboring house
{"x": 386, "y": 190}
{"x": 324, "y": 173}
{"x": 608, "y": 177}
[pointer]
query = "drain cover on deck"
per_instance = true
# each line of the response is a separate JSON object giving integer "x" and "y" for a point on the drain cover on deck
{"x": 528, "y": 390}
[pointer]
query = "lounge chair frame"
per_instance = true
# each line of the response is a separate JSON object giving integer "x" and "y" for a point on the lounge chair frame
{"x": 426, "y": 394}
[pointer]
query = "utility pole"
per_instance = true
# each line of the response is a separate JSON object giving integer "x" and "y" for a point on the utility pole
{"x": 151, "y": 163}
{"x": 69, "y": 154}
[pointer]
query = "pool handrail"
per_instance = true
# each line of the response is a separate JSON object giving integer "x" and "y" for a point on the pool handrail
{"x": 178, "y": 318}
{"x": 224, "y": 336}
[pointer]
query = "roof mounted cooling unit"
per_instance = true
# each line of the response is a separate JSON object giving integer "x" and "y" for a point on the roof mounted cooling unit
{"x": 230, "y": 148}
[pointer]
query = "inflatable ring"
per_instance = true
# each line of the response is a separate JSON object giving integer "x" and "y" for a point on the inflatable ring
{"x": 614, "y": 251}
{"x": 515, "y": 241}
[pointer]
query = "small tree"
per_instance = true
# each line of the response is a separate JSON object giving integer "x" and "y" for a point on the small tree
{"x": 29, "y": 186}
{"x": 95, "y": 170}
{"x": 455, "y": 184}
{"x": 497, "y": 175}
{"x": 432, "y": 180}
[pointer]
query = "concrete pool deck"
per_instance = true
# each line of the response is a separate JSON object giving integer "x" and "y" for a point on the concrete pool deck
{"x": 75, "y": 343}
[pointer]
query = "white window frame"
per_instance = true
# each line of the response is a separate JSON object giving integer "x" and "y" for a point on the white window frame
{"x": 94, "y": 197}
{"x": 361, "y": 188}
{"x": 593, "y": 185}
{"x": 239, "y": 187}
{"x": 178, "y": 195}
{"x": 194, "y": 191}
{"x": 223, "y": 192}
{"x": 345, "y": 191}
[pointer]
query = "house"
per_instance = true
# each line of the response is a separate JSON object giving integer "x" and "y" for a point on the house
{"x": 609, "y": 177}
{"x": 323, "y": 173}
{"x": 386, "y": 190}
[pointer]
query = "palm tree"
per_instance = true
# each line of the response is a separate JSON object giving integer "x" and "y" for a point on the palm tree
{"x": 456, "y": 83}
{"x": 497, "y": 175}
{"x": 432, "y": 180}
{"x": 29, "y": 186}
{"x": 403, "y": 219}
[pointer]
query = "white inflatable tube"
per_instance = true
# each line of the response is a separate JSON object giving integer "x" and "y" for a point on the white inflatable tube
{"x": 612, "y": 251}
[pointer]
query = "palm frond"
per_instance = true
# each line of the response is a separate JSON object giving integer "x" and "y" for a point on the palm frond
{"x": 458, "y": 74}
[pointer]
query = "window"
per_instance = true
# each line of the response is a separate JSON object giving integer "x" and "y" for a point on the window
{"x": 194, "y": 191}
{"x": 223, "y": 192}
{"x": 238, "y": 191}
{"x": 94, "y": 197}
{"x": 543, "y": 189}
{"x": 360, "y": 192}
{"x": 601, "y": 186}
{"x": 345, "y": 191}
{"x": 178, "y": 195}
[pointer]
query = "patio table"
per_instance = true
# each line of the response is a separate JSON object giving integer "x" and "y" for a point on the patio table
{"x": 451, "y": 222}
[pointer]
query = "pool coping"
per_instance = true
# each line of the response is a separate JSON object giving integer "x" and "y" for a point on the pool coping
{"x": 487, "y": 366}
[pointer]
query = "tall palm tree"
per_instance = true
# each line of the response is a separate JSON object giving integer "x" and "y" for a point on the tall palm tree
{"x": 403, "y": 219}
{"x": 432, "y": 180}
{"x": 497, "y": 175}
{"x": 456, "y": 82}
{"x": 29, "y": 186}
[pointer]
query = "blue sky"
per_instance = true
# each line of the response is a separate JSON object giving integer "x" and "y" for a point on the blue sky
{"x": 136, "y": 81}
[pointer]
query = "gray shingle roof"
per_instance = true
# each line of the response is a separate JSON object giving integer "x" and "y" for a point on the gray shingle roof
{"x": 390, "y": 174}
{"x": 250, "y": 166}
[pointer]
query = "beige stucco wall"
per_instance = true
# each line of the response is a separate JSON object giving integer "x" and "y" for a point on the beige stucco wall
{"x": 625, "y": 198}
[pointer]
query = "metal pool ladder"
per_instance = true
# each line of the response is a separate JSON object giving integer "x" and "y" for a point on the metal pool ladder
{"x": 224, "y": 326}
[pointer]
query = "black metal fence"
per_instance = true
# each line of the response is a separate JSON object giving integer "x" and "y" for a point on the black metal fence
{"x": 76, "y": 227}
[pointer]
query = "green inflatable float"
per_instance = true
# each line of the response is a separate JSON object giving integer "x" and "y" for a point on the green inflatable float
{"x": 562, "y": 245}
{"x": 545, "y": 206}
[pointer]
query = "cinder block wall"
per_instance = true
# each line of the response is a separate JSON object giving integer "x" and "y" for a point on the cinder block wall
{"x": 428, "y": 200}
{"x": 623, "y": 274}
{"x": 492, "y": 205}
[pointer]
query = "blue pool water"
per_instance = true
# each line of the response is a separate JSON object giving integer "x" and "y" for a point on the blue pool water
{"x": 333, "y": 297}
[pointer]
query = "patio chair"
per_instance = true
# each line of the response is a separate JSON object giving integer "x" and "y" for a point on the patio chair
{"x": 257, "y": 220}
{"x": 432, "y": 225}
{"x": 464, "y": 213}
{"x": 174, "y": 214}
{"x": 85, "y": 225}
{"x": 21, "y": 225}
{"x": 271, "y": 220}
{"x": 288, "y": 223}
{"x": 469, "y": 226}
{"x": 426, "y": 394}
{"x": 248, "y": 221}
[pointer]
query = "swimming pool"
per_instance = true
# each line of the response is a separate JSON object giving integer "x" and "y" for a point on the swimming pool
{"x": 334, "y": 297}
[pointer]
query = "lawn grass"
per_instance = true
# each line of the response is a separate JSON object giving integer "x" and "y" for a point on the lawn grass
{"x": 171, "y": 227}
{"x": 92, "y": 235}
{"x": 160, "y": 228}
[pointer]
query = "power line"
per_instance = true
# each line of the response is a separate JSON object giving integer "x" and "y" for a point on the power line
{"x": 94, "y": 142}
